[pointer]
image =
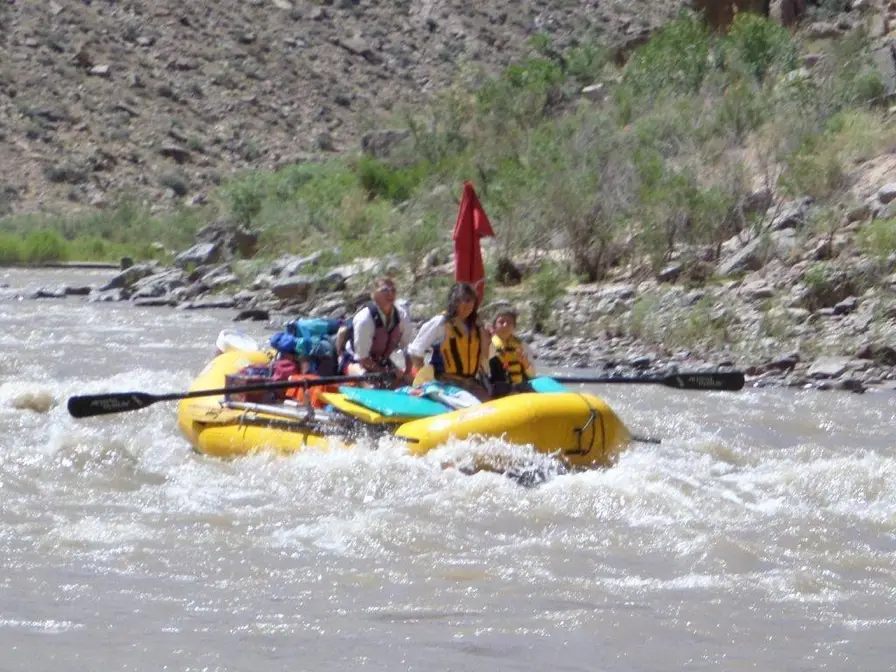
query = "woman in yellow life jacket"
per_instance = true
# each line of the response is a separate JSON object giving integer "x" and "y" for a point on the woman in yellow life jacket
{"x": 513, "y": 355}
{"x": 459, "y": 343}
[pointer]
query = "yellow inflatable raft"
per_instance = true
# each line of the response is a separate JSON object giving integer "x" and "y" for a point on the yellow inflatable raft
{"x": 579, "y": 428}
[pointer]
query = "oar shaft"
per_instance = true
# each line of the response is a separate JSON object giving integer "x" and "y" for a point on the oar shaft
{"x": 279, "y": 385}
{"x": 728, "y": 381}
{"x": 595, "y": 380}
{"x": 118, "y": 402}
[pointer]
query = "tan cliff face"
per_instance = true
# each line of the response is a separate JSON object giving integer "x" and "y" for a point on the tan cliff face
{"x": 165, "y": 99}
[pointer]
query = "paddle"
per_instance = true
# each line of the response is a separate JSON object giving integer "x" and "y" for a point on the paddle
{"x": 730, "y": 381}
{"x": 426, "y": 374}
{"x": 118, "y": 402}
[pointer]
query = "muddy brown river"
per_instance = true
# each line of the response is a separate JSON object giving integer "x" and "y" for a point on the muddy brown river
{"x": 759, "y": 535}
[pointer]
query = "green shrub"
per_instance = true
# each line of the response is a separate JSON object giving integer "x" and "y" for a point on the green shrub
{"x": 742, "y": 109}
{"x": 363, "y": 227}
{"x": 585, "y": 63}
{"x": 379, "y": 179}
{"x": 92, "y": 248}
{"x": 287, "y": 181}
{"x": 549, "y": 285}
{"x": 676, "y": 58}
{"x": 444, "y": 134}
{"x": 849, "y": 76}
{"x": 11, "y": 251}
{"x": 758, "y": 46}
{"x": 815, "y": 169}
{"x": 878, "y": 238}
{"x": 535, "y": 88}
{"x": 66, "y": 173}
{"x": 642, "y": 318}
{"x": 417, "y": 239}
{"x": 176, "y": 182}
{"x": 825, "y": 285}
{"x": 677, "y": 209}
{"x": 244, "y": 198}
{"x": 670, "y": 128}
{"x": 706, "y": 322}
{"x": 858, "y": 135}
{"x": 126, "y": 229}
{"x": 44, "y": 245}
{"x": 586, "y": 189}
{"x": 816, "y": 276}
{"x": 773, "y": 322}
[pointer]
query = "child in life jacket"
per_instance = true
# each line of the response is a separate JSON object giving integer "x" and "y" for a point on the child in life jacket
{"x": 511, "y": 364}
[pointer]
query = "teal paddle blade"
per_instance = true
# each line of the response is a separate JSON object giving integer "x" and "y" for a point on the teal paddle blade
{"x": 391, "y": 404}
{"x": 544, "y": 384}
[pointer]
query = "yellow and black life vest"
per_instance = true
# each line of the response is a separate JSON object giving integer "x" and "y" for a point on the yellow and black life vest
{"x": 510, "y": 352}
{"x": 461, "y": 349}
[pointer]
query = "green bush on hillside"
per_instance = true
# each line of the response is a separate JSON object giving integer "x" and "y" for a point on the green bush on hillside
{"x": 743, "y": 109}
{"x": 878, "y": 238}
{"x": 11, "y": 251}
{"x": 661, "y": 168}
{"x": 379, "y": 179}
{"x": 44, "y": 245}
{"x": 245, "y": 198}
{"x": 589, "y": 191}
{"x": 585, "y": 63}
{"x": 550, "y": 282}
{"x": 678, "y": 210}
{"x": 676, "y": 58}
{"x": 651, "y": 173}
{"x": 103, "y": 235}
{"x": 759, "y": 47}
{"x": 444, "y": 134}
{"x": 530, "y": 90}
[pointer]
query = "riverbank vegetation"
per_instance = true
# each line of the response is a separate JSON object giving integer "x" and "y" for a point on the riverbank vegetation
{"x": 696, "y": 139}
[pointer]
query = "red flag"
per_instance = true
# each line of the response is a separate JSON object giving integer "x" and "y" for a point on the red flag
{"x": 472, "y": 224}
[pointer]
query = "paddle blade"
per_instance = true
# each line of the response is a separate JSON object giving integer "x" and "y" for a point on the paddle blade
{"x": 426, "y": 374}
{"x": 101, "y": 404}
{"x": 546, "y": 385}
{"x": 729, "y": 381}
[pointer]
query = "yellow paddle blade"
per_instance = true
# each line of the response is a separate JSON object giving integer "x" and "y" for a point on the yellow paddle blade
{"x": 426, "y": 374}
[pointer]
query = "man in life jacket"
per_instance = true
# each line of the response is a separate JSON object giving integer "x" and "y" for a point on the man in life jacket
{"x": 460, "y": 345}
{"x": 377, "y": 331}
{"x": 510, "y": 367}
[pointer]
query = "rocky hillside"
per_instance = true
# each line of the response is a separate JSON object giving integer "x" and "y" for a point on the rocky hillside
{"x": 773, "y": 212}
{"x": 166, "y": 98}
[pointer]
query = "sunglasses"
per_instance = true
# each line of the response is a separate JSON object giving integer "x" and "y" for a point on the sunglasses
{"x": 387, "y": 289}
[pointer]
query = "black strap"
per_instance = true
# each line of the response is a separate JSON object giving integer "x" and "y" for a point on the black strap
{"x": 478, "y": 347}
{"x": 518, "y": 364}
{"x": 374, "y": 313}
{"x": 394, "y": 321}
{"x": 394, "y": 318}
{"x": 455, "y": 353}
{"x": 497, "y": 373}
